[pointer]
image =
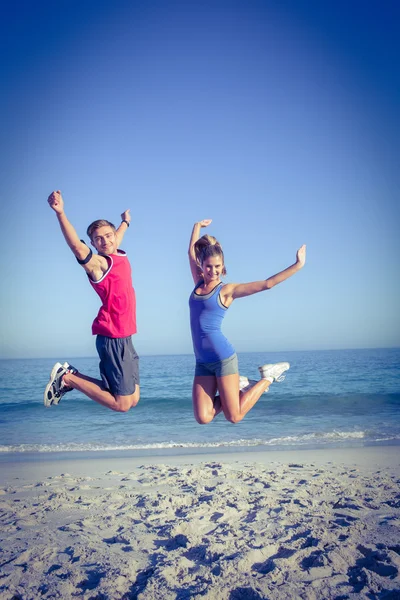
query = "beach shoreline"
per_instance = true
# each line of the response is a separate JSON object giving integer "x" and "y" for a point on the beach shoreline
{"x": 260, "y": 525}
{"x": 37, "y": 465}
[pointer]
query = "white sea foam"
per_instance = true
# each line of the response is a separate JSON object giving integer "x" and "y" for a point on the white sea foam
{"x": 316, "y": 439}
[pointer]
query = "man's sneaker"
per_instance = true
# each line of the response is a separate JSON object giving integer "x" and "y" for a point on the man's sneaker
{"x": 55, "y": 389}
{"x": 274, "y": 372}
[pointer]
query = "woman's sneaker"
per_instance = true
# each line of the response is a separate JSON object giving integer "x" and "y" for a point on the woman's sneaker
{"x": 274, "y": 372}
{"x": 56, "y": 388}
{"x": 245, "y": 384}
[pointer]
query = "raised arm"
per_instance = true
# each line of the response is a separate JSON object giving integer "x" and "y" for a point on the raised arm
{"x": 194, "y": 267}
{"x": 231, "y": 291}
{"x": 96, "y": 264}
{"x": 125, "y": 220}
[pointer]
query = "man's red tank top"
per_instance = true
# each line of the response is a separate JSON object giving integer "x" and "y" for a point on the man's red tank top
{"x": 117, "y": 315}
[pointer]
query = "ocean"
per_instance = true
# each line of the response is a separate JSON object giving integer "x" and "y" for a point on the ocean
{"x": 338, "y": 398}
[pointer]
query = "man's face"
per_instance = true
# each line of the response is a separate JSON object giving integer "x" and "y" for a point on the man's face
{"x": 104, "y": 239}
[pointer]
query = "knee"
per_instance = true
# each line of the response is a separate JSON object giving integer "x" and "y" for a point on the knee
{"x": 135, "y": 397}
{"x": 124, "y": 403}
{"x": 233, "y": 417}
{"x": 122, "y": 407}
{"x": 204, "y": 419}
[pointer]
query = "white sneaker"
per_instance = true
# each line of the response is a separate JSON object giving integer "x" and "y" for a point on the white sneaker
{"x": 243, "y": 382}
{"x": 246, "y": 384}
{"x": 274, "y": 372}
{"x": 55, "y": 389}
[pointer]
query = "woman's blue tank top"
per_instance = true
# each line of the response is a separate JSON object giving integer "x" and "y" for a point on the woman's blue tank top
{"x": 206, "y": 315}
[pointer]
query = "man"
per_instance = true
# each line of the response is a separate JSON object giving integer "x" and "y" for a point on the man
{"x": 109, "y": 273}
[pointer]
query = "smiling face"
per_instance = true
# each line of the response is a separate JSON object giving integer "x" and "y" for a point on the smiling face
{"x": 104, "y": 239}
{"x": 212, "y": 268}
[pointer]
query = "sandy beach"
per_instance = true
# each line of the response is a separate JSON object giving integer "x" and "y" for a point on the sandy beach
{"x": 257, "y": 525}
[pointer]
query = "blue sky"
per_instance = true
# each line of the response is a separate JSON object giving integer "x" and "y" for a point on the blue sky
{"x": 278, "y": 120}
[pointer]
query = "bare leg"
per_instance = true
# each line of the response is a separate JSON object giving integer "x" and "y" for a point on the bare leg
{"x": 94, "y": 389}
{"x": 206, "y": 405}
{"x": 235, "y": 404}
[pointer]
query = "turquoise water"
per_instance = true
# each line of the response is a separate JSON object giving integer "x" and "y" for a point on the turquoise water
{"x": 329, "y": 398}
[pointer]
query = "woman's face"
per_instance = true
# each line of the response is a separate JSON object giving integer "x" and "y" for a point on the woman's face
{"x": 212, "y": 268}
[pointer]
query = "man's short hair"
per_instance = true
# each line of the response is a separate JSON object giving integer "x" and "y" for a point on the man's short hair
{"x": 96, "y": 224}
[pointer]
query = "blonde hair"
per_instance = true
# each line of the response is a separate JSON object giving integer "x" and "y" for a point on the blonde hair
{"x": 96, "y": 224}
{"x": 208, "y": 246}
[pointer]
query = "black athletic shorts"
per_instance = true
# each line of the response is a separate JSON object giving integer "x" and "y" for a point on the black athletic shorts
{"x": 119, "y": 364}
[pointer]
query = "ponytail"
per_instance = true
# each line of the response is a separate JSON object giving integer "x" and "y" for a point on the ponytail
{"x": 208, "y": 246}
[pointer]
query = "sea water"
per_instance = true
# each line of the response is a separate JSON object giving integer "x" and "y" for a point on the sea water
{"x": 337, "y": 398}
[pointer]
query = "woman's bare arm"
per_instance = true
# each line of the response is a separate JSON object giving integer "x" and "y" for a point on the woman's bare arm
{"x": 194, "y": 267}
{"x": 231, "y": 291}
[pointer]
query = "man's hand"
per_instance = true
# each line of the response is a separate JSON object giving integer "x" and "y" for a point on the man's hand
{"x": 301, "y": 256}
{"x": 56, "y": 202}
{"x": 126, "y": 216}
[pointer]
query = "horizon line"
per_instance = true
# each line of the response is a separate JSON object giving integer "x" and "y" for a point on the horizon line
{"x": 238, "y": 352}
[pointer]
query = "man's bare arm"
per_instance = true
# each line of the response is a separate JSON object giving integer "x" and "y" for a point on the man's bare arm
{"x": 96, "y": 265}
{"x": 122, "y": 229}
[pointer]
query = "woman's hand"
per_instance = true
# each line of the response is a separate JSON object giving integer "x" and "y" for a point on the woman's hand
{"x": 204, "y": 222}
{"x": 301, "y": 256}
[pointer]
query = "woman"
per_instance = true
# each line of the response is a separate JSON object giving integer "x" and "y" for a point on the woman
{"x": 216, "y": 360}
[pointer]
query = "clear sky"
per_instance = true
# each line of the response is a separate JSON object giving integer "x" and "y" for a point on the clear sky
{"x": 278, "y": 120}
